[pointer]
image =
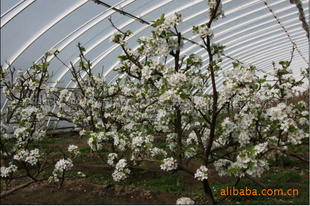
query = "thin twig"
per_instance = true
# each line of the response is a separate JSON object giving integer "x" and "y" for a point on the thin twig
{"x": 289, "y": 36}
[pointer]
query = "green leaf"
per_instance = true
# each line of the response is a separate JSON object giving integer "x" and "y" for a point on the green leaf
{"x": 250, "y": 164}
{"x": 235, "y": 64}
{"x": 82, "y": 49}
{"x": 81, "y": 64}
{"x": 232, "y": 170}
{"x": 184, "y": 96}
{"x": 292, "y": 128}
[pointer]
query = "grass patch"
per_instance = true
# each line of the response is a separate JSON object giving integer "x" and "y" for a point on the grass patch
{"x": 170, "y": 184}
{"x": 52, "y": 144}
{"x": 161, "y": 145}
{"x": 283, "y": 177}
{"x": 288, "y": 162}
{"x": 84, "y": 149}
{"x": 100, "y": 179}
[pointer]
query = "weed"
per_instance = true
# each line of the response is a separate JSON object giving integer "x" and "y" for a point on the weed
{"x": 283, "y": 177}
{"x": 84, "y": 149}
{"x": 172, "y": 184}
{"x": 288, "y": 162}
{"x": 101, "y": 179}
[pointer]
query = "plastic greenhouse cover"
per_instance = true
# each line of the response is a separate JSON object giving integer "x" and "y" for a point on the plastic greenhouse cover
{"x": 250, "y": 32}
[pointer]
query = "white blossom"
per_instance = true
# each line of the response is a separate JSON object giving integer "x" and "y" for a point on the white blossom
{"x": 278, "y": 112}
{"x": 177, "y": 79}
{"x": 111, "y": 158}
{"x": 30, "y": 157}
{"x": 185, "y": 201}
{"x": 5, "y": 171}
{"x": 202, "y": 173}
{"x": 203, "y": 31}
{"x": 304, "y": 113}
{"x": 64, "y": 92}
{"x": 169, "y": 164}
{"x": 158, "y": 151}
{"x": 81, "y": 174}
{"x": 120, "y": 172}
{"x": 74, "y": 149}
{"x": 63, "y": 165}
{"x": 82, "y": 132}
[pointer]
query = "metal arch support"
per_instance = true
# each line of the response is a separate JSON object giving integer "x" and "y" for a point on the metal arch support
{"x": 12, "y": 13}
{"x": 108, "y": 36}
{"x": 84, "y": 28}
{"x": 44, "y": 30}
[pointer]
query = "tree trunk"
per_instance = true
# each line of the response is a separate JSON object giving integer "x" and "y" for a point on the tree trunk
{"x": 208, "y": 192}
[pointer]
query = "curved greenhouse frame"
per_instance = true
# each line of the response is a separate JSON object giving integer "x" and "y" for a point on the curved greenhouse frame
{"x": 255, "y": 32}
{"x": 203, "y": 88}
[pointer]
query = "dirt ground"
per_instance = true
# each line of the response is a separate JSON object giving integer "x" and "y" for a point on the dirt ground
{"x": 83, "y": 192}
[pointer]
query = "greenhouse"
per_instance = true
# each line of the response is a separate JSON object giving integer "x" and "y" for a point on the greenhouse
{"x": 154, "y": 102}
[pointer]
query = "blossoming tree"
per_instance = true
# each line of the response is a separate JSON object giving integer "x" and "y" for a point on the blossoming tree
{"x": 161, "y": 92}
{"x": 236, "y": 129}
{"x": 24, "y": 127}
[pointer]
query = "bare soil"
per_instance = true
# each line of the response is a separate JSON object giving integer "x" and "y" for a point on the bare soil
{"x": 83, "y": 192}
